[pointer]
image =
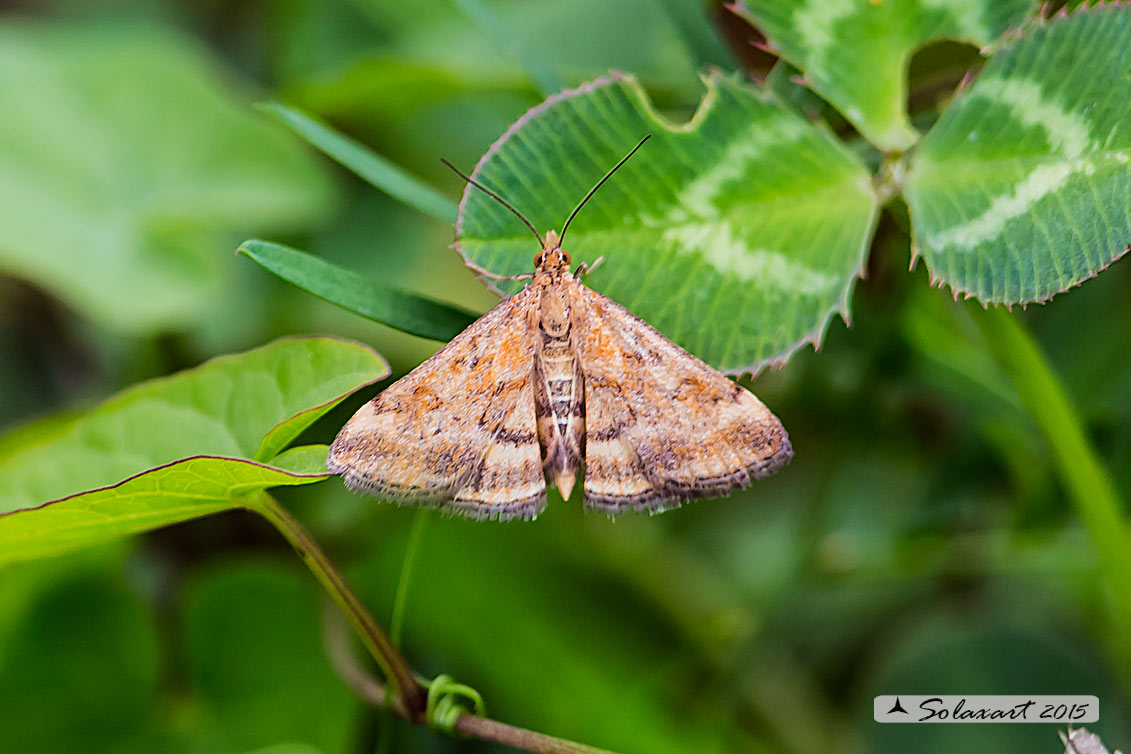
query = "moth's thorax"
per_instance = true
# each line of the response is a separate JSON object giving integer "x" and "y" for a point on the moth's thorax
{"x": 551, "y": 278}
{"x": 548, "y": 278}
{"x": 553, "y": 310}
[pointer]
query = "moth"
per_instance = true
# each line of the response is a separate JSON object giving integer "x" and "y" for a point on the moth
{"x": 555, "y": 382}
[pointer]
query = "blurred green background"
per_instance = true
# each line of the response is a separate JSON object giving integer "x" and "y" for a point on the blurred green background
{"x": 919, "y": 542}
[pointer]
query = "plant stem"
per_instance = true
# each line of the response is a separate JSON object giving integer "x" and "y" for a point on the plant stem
{"x": 472, "y": 726}
{"x": 394, "y": 666}
{"x": 411, "y": 553}
{"x": 1089, "y": 485}
{"x": 486, "y": 729}
{"x": 400, "y": 601}
{"x": 409, "y": 703}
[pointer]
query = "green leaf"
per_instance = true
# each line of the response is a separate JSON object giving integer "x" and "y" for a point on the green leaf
{"x": 1023, "y": 188}
{"x": 738, "y": 235}
{"x": 404, "y": 311}
{"x": 855, "y": 53}
{"x": 241, "y": 406}
{"x": 180, "y": 491}
{"x": 787, "y": 84}
{"x": 304, "y": 459}
{"x": 393, "y": 180}
{"x": 124, "y": 162}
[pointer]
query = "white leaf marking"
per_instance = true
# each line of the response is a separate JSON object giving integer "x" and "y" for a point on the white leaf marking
{"x": 1041, "y": 182}
{"x": 1068, "y": 134}
{"x": 697, "y": 198}
{"x": 966, "y": 15}
{"x": 726, "y": 253}
{"x": 1069, "y": 137}
{"x": 815, "y": 23}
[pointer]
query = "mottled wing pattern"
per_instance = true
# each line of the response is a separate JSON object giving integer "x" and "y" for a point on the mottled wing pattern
{"x": 458, "y": 432}
{"x": 661, "y": 426}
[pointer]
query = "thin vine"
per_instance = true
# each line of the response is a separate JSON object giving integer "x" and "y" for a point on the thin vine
{"x": 449, "y": 707}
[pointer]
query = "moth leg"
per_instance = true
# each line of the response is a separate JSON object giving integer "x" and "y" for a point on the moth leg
{"x": 585, "y": 268}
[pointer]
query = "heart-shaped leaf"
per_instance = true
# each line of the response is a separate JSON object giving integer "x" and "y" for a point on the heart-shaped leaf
{"x": 855, "y": 53}
{"x": 123, "y": 161}
{"x": 1023, "y": 187}
{"x": 180, "y": 491}
{"x": 246, "y": 406}
{"x": 738, "y": 234}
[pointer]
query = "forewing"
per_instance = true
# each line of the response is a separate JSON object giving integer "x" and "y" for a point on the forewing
{"x": 662, "y": 426}
{"x": 459, "y": 431}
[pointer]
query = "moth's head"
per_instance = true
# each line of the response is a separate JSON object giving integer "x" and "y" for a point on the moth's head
{"x": 552, "y": 257}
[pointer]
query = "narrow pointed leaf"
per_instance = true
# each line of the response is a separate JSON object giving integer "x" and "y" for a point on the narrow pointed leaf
{"x": 738, "y": 234}
{"x": 225, "y": 407}
{"x": 390, "y": 178}
{"x": 399, "y": 309}
{"x": 1023, "y": 187}
{"x": 855, "y": 53}
{"x": 179, "y": 491}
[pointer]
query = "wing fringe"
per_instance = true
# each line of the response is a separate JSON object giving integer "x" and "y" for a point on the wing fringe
{"x": 667, "y": 495}
{"x": 439, "y": 499}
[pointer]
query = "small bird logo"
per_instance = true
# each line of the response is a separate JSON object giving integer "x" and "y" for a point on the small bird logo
{"x": 897, "y": 707}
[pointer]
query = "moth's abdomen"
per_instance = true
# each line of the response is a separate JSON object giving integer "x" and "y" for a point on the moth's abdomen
{"x": 560, "y": 404}
{"x": 559, "y": 366}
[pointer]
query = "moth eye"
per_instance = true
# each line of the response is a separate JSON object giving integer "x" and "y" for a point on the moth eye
{"x": 539, "y": 259}
{"x": 566, "y": 258}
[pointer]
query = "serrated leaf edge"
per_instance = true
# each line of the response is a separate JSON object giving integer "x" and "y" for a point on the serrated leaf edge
{"x": 936, "y": 281}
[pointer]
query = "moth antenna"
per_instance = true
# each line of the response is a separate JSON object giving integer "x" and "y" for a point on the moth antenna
{"x": 496, "y": 197}
{"x": 592, "y": 191}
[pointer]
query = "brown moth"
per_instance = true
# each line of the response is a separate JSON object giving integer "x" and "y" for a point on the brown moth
{"x": 555, "y": 380}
